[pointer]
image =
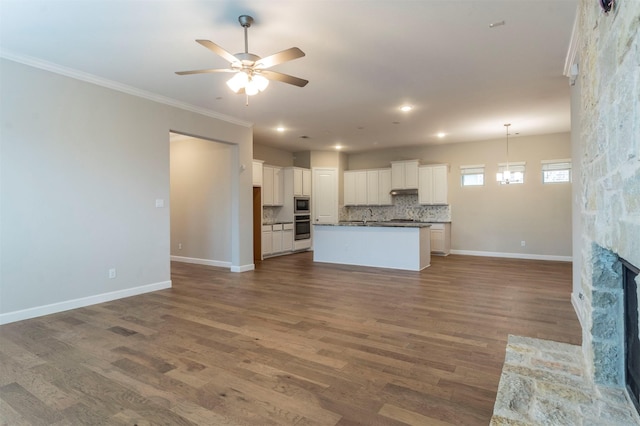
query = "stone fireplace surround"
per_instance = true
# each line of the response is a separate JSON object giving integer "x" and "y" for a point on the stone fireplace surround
{"x": 607, "y": 351}
{"x": 606, "y": 153}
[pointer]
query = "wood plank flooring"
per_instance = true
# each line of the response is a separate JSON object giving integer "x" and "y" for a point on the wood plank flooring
{"x": 291, "y": 343}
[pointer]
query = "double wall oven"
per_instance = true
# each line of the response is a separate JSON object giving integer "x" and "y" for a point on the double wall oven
{"x": 302, "y": 218}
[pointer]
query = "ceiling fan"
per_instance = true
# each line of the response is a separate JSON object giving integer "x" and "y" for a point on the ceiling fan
{"x": 251, "y": 71}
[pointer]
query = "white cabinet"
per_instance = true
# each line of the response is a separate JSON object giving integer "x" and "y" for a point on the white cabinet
{"x": 384, "y": 187}
{"x": 441, "y": 238}
{"x": 373, "y": 187}
{"x": 301, "y": 182}
{"x": 257, "y": 173}
{"x": 361, "y": 188}
{"x": 272, "y": 186}
{"x": 267, "y": 243}
{"x": 404, "y": 174}
{"x": 349, "y": 188}
{"x": 433, "y": 187}
{"x": 287, "y": 237}
{"x": 355, "y": 188}
{"x": 367, "y": 187}
{"x": 276, "y": 238}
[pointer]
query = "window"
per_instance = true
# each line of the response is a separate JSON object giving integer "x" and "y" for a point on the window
{"x": 556, "y": 171}
{"x": 472, "y": 175}
{"x": 515, "y": 173}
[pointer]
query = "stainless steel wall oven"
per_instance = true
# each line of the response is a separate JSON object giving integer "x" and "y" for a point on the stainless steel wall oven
{"x": 302, "y": 227}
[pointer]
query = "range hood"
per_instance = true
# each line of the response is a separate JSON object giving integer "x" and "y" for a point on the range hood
{"x": 404, "y": 192}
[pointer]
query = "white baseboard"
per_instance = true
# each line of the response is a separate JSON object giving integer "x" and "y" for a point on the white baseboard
{"x": 66, "y": 305}
{"x": 243, "y": 268}
{"x": 513, "y": 255}
{"x": 578, "y": 306}
{"x": 218, "y": 263}
{"x": 195, "y": 260}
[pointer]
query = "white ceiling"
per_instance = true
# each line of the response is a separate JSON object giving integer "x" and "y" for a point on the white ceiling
{"x": 364, "y": 59}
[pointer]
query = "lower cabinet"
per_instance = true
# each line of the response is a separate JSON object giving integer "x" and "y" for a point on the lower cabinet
{"x": 267, "y": 243}
{"x": 287, "y": 237}
{"x": 441, "y": 238}
{"x": 277, "y": 239}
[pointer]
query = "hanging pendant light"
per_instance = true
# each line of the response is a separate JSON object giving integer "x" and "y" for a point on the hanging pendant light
{"x": 505, "y": 176}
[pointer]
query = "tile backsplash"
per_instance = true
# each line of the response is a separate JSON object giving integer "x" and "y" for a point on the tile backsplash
{"x": 404, "y": 207}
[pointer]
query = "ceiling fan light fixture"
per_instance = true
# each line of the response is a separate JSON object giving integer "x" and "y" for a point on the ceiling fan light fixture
{"x": 238, "y": 81}
{"x": 260, "y": 81}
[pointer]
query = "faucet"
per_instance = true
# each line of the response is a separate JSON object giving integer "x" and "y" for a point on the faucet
{"x": 364, "y": 215}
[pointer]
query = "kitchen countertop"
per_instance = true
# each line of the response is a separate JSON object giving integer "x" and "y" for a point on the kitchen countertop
{"x": 379, "y": 224}
{"x": 276, "y": 223}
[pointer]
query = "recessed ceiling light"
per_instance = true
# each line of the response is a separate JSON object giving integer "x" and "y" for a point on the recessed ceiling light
{"x": 441, "y": 135}
{"x": 338, "y": 147}
{"x": 280, "y": 129}
{"x": 406, "y": 108}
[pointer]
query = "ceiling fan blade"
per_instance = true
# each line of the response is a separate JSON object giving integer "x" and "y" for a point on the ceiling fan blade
{"x": 280, "y": 57}
{"x": 218, "y": 50}
{"x": 285, "y": 78}
{"x": 205, "y": 71}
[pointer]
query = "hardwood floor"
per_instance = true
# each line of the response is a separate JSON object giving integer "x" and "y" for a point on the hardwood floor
{"x": 292, "y": 342}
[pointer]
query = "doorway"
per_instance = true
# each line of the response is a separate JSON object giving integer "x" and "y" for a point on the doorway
{"x": 201, "y": 196}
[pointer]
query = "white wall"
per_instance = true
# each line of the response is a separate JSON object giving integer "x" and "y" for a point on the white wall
{"x": 81, "y": 168}
{"x": 200, "y": 201}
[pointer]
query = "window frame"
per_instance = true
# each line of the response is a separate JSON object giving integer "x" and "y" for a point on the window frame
{"x": 472, "y": 170}
{"x": 563, "y": 164}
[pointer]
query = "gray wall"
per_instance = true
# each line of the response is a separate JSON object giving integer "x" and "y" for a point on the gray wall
{"x": 82, "y": 166}
{"x": 496, "y": 218}
{"x": 272, "y": 156}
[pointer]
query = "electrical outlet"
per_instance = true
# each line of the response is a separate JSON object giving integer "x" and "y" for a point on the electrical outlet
{"x": 112, "y": 273}
{"x": 523, "y": 243}
{"x": 179, "y": 246}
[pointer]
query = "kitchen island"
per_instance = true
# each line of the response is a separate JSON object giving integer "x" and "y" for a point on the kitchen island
{"x": 380, "y": 244}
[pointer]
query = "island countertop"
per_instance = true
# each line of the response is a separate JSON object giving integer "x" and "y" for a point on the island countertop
{"x": 385, "y": 224}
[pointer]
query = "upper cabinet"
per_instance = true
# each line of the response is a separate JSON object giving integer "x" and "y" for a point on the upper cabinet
{"x": 367, "y": 187}
{"x": 433, "y": 188}
{"x": 272, "y": 186}
{"x": 301, "y": 182}
{"x": 257, "y": 173}
{"x": 404, "y": 174}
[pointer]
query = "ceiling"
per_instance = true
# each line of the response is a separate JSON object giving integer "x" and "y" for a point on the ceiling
{"x": 364, "y": 59}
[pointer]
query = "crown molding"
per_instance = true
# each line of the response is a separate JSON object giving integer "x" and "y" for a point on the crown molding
{"x": 110, "y": 84}
{"x": 572, "y": 52}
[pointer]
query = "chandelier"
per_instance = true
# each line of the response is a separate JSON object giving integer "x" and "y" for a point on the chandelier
{"x": 505, "y": 176}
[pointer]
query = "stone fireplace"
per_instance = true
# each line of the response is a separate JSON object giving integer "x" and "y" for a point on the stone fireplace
{"x": 614, "y": 352}
{"x": 606, "y": 155}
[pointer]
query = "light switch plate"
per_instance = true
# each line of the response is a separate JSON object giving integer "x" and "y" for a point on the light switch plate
{"x": 159, "y": 203}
